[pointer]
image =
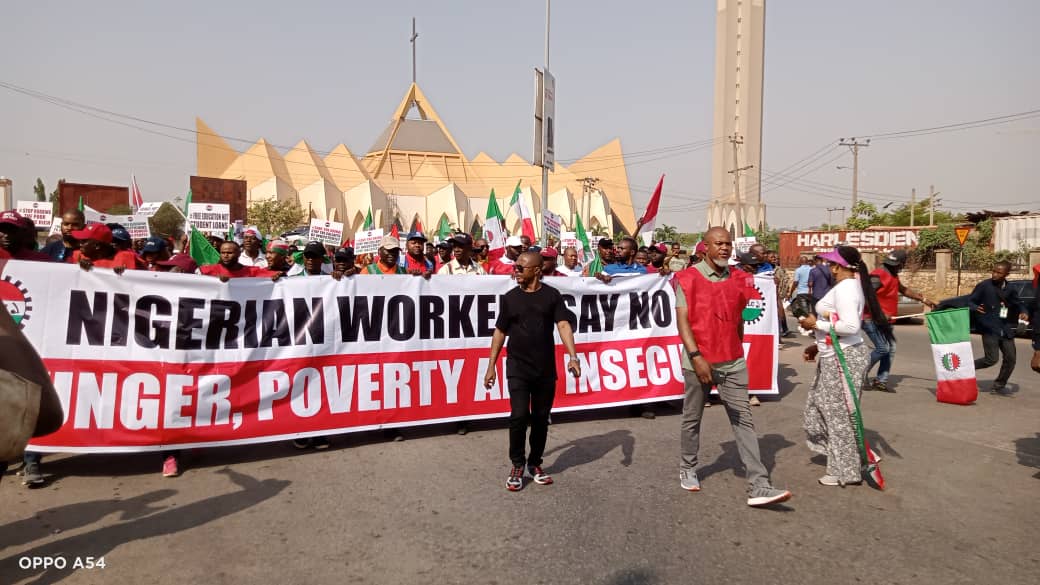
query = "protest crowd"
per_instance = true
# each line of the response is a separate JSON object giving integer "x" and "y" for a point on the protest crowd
{"x": 833, "y": 297}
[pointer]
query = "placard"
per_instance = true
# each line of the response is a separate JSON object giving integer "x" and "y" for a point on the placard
{"x": 367, "y": 242}
{"x": 55, "y": 227}
{"x": 210, "y": 217}
{"x": 552, "y": 223}
{"x": 135, "y": 224}
{"x": 38, "y": 211}
{"x": 327, "y": 232}
{"x": 149, "y": 209}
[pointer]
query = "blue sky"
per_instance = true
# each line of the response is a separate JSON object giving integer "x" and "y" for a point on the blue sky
{"x": 643, "y": 72}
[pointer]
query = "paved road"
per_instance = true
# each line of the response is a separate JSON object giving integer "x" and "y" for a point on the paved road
{"x": 961, "y": 506}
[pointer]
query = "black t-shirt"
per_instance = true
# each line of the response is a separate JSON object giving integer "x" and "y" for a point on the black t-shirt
{"x": 528, "y": 318}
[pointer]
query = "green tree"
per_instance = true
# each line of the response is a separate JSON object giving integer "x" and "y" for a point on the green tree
{"x": 768, "y": 237}
{"x": 39, "y": 190}
{"x": 54, "y": 197}
{"x": 666, "y": 233}
{"x": 274, "y": 216}
{"x": 168, "y": 221}
{"x": 864, "y": 215}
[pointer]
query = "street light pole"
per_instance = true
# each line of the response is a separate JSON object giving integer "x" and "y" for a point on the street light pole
{"x": 545, "y": 170}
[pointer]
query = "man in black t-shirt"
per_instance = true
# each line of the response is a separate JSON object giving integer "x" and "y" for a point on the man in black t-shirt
{"x": 527, "y": 314}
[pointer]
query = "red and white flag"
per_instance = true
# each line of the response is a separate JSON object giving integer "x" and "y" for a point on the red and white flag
{"x": 649, "y": 219}
{"x": 519, "y": 207}
{"x": 136, "y": 201}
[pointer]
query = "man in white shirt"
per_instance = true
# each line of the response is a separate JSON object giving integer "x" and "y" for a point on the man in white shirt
{"x": 463, "y": 262}
{"x": 570, "y": 266}
{"x": 251, "y": 255}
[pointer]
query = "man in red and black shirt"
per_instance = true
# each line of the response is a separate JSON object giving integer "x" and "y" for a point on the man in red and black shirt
{"x": 888, "y": 287}
{"x": 709, "y": 301}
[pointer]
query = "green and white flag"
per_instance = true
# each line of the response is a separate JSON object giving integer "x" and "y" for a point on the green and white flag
{"x": 950, "y": 334}
{"x": 591, "y": 257}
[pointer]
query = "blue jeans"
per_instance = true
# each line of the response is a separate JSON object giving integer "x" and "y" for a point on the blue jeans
{"x": 884, "y": 350}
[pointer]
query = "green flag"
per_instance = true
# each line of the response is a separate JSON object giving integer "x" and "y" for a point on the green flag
{"x": 369, "y": 223}
{"x": 748, "y": 232}
{"x": 79, "y": 206}
{"x": 201, "y": 250}
{"x": 591, "y": 256}
{"x": 444, "y": 228}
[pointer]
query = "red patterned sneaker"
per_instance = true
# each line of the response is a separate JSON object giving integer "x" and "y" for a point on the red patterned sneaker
{"x": 516, "y": 479}
{"x": 540, "y": 477}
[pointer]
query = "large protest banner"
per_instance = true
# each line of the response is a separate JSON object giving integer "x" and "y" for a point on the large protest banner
{"x": 146, "y": 360}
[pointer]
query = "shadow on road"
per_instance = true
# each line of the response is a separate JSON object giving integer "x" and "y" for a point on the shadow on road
{"x": 1028, "y": 451}
{"x": 880, "y": 445}
{"x": 100, "y": 542}
{"x": 632, "y": 577}
{"x": 786, "y": 380}
{"x": 768, "y": 445}
{"x": 592, "y": 448}
{"x": 73, "y": 516}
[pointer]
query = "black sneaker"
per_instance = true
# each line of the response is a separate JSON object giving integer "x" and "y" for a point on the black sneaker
{"x": 32, "y": 476}
{"x": 320, "y": 443}
{"x": 301, "y": 444}
{"x": 516, "y": 479}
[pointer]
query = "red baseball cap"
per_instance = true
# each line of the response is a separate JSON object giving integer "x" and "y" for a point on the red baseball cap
{"x": 94, "y": 231}
{"x": 183, "y": 261}
{"x": 11, "y": 217}
{"x": 550, "y": 253}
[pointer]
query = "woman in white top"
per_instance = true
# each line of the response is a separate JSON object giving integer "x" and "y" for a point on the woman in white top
{"x": 827, "y": 422}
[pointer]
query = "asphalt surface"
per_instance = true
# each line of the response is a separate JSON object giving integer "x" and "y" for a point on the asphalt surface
{"x": 960, "y": 507}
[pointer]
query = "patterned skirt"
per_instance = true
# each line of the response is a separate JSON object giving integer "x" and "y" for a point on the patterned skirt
{"x": 828, "y": 424}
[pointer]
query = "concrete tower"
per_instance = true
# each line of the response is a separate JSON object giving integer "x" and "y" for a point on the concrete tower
{"x": 739, "y": 58}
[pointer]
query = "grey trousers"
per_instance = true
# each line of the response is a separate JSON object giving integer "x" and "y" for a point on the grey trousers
{"x": 734, "y": 393}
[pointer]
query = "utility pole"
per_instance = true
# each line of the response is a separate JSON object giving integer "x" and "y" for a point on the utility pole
{"x": 913, "y": 205}
{"x": 588, "y": 185}
{"x": 931, "y": 204}
{"x": 854, "y": 145}
{"x": 736, "y": 140}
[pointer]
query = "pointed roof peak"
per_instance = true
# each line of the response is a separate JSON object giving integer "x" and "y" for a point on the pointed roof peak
{"x": 425, "y": 134}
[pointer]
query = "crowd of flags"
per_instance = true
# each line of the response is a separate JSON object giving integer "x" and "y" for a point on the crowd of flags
{"x": 494, "y": 227}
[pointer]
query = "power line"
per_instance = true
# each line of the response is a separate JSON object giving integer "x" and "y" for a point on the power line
{"x": 1007, "y": 118}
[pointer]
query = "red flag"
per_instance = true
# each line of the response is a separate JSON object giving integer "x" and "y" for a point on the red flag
{"x": 646, "y": 223}
{"x": 394, "y": 232}
{"x": 418, "y": 226}
{"x": 136, "y": 201}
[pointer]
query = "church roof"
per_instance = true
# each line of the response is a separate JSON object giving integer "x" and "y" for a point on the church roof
{"x": 414, "y": 135}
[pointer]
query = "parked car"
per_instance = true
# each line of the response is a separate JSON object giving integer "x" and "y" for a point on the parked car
{"x": 1025, "y": 291}
{"x": 908, "y": 306}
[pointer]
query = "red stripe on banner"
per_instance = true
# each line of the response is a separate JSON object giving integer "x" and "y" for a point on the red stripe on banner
{"x": 138, "y": 406}
{"x": 963, "y": 391}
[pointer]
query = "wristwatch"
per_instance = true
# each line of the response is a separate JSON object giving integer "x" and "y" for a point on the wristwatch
{"x": 693, "y": 354}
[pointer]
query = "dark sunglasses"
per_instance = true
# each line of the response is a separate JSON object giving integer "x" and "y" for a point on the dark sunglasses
{"x": 519, "y": 268}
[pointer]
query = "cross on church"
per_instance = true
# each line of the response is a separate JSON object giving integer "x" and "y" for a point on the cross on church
{"x": 415, "y": 35}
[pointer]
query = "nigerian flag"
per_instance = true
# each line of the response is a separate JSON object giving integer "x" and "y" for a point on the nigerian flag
{"x": 590, "y": 256}
{"x": 369, "y": 223}
{"x": 950, "y": 334}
